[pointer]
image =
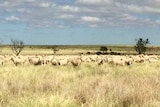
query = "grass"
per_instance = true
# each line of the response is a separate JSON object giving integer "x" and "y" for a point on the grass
{"x": 76, "y": 49}
{"x": 88, "y": 85}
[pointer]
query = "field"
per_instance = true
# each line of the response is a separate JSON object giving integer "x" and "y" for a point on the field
{"x": 88, "y": 85}
{"x": 77, "y": 49}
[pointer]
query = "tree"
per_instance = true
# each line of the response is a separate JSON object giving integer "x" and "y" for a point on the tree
{"x": 54, "y": 48}
{"x": 17, "y": 46}
{"x": 141, "y": 45}
{"x": 103, "y": 49}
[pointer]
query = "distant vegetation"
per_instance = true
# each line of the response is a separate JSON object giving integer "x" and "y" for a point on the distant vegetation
{"x": 54, "y": 49}
{"x": 79, "y": 49}
{"x": 141, "y": 45}
{"x": 104, "y": 49}
{"x": 17, "y": 46}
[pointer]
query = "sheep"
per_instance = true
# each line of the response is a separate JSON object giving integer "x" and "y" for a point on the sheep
{"x": 54, "y": 62}
{"x": 35, "y": 61}
{"x": 152, "y": 60}
{"x": 63, "y": 62}
{"x": 76, "y": 62}
{"x": 119, "y": 62}
{"x": 18, "y": 61}
{"x": 1, "y": 62}
{"x": 100, "y": 62}
{"x": 138, "y": 59}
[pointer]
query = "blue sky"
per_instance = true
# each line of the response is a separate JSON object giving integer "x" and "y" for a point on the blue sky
{"x": 84, "y": 22}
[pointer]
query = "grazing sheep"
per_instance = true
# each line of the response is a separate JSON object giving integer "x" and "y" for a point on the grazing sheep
{"x": 54, "y": 62}
{"x": 2, "y": 59}
{"x": 18, "y": 61}
{"x": 76, "y": 62}
{"x": 100, "y": 62}
{"x": 138, "y": 59}
{"x": 48, "y": 59}
{"x": 152, "y": 60}
{"x": 128, "y": 61}
{"x": 63, "y": 62}
{"x": 119, "y": 62}
{"x": 35, "y": 61}
{"x": 1, "y": 62}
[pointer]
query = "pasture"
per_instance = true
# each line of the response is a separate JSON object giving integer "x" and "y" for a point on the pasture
{"x": 93, "y": 83}
{"x": 76, "y": 49}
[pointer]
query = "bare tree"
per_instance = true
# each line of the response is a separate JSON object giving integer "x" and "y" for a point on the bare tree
{"x": 17, "y": 46}
{"x": 54, "y": 49}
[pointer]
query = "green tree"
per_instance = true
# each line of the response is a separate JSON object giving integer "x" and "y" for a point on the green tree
{"x": 141, "y": 45}
{"x": 17, "y": 46}
{"x": 103, "y": 49}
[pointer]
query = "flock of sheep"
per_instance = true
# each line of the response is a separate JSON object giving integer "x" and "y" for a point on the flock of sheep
{"x": 76, "y": 60}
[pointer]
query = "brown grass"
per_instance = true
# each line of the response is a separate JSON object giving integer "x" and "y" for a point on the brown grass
{"x": 88, "y": 85}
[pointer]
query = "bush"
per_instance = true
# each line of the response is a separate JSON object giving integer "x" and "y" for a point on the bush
{"x": 141, "y": 45}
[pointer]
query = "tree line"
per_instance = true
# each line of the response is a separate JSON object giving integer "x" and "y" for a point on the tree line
{"x": 17, "y": 47}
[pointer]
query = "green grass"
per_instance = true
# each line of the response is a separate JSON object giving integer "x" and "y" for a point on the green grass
{"x": 88, "y": 85}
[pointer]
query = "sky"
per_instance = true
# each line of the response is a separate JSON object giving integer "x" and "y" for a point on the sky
{"x": 80, "y": 22}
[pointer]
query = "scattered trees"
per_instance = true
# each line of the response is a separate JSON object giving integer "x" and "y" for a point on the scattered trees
{"x": 141, "y": 45}
{"x": 17, "y": 46}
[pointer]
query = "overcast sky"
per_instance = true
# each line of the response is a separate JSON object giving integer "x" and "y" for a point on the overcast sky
{"x": 67, "y": 22}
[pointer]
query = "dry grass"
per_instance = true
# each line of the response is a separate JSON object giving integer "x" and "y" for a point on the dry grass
{"x": 89, "y": 85}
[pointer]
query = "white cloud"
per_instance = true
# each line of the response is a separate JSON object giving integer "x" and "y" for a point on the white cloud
{"x": 31, "y": 0}
{"x": 93, "y": 13}
{"x": 93, "y": 1}
{"x": 93, "y": 25}
{"x": 12, "y": 18}
{"x": 45, "y": 5}
{"x": 129, "y": 17}
{"x": 90, "y": 19}
{"x": 158, "y": 22}
{"x": 66, "y": 16}
{"x": 68, "y": 8}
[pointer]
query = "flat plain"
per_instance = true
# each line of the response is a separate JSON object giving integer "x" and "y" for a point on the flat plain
{"x": 86, "y": 85}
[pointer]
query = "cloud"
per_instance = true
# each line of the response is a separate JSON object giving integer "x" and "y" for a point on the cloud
{"x": 90, "y": 19}
{"x": 93, "y": 1}
{"x": 68, "y": 8}
{"x": 92, "y": 13}
{"x": 45, "y": 5}
{"x": 66, "y": 16}
{"x": 12, "y": 18}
